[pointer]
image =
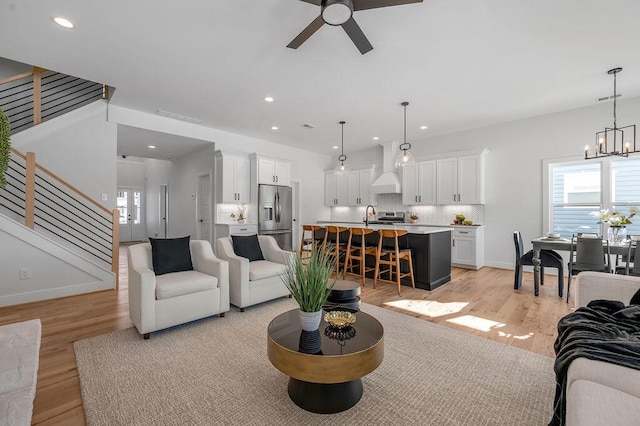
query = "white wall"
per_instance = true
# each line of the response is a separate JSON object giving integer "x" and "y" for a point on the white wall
{"x": 53, "y": 270}
{"x": 80, "y": 147}
{"x": 514, "y": 165}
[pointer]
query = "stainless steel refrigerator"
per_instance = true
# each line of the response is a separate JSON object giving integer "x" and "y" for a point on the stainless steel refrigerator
{"x": 275, "y": 213}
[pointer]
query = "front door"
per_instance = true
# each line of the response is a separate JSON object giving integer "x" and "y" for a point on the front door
{"x": 131, "y": 206}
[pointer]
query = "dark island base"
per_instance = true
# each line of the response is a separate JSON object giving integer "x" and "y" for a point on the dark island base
{"x": 322, "y": 398}
{"x": 431, "y": 254}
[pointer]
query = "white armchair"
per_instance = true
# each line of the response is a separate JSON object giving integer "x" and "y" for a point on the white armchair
{"x": 158, "y": 302}
{"x": 255, "y": 282}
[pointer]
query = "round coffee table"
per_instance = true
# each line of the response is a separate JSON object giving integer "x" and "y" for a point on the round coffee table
{"x": 325, "y": 366}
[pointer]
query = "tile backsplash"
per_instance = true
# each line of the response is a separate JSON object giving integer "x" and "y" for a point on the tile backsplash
{"x": 428, "y": 215}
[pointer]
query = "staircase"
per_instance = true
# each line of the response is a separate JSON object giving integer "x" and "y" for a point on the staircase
{"x": 55, "y": 240}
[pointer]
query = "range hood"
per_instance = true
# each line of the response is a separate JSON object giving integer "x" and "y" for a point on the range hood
{"x": 388, "y": 182}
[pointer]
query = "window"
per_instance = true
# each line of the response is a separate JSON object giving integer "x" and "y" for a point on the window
{"x": 578, "y": 188}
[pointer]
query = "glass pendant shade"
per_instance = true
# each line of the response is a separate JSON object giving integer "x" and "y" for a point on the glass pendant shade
{"x": 405, "y": 158}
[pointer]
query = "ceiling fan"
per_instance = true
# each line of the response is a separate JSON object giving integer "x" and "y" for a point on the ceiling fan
{"x": 340, "y": 12}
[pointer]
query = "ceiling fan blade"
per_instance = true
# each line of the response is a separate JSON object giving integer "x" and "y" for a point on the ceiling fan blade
{"x": 316, "y": 2}
{"x": 357, "y": 36}
{"x": 373, "y": 4}
{"x": 306, "y": 33}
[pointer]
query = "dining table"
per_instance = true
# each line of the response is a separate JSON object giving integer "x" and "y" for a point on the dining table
{"x": 564, "y": 244}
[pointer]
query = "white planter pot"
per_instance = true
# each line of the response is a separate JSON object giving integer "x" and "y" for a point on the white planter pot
{"x": 310, "y": 321}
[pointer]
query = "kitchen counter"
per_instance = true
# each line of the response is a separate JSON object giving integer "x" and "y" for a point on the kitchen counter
{"x": 412, "y": 228}
{"x": 430, "y": 250}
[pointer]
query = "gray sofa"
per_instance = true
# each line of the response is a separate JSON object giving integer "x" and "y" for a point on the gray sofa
{"x": 600, "y": 393}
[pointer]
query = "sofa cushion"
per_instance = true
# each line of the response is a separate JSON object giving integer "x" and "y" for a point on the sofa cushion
{"x": 264, "y": 269}
{"x": 590, "y": 403}
{"x": 247, "y": 246}
{"x": 170, "y": 255}
{"x": 614, "y": 376}
{"x": 179, "y": 283}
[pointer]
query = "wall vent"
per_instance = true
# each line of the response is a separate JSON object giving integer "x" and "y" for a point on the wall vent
{"x": 178, "y": 116}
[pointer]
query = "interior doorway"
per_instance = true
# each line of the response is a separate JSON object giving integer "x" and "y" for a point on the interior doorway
{"x": 130, "y": 203}
{"x": 164, "y": 211}
{"x": 203, "y": 207}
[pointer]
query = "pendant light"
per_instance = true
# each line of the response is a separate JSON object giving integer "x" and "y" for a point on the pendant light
{"x": 341, "y": 168}
{"x": 405, "y": 158}
{"x": 612, "y": 135}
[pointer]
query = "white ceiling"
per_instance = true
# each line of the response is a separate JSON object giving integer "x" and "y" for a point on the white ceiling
{"x": 460, "y": 63}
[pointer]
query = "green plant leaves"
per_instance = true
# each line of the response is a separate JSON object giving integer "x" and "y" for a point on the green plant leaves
{"x": 309, "y": 284}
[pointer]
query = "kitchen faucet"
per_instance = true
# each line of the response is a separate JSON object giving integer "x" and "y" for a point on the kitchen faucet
{"x": 366, "y": 214}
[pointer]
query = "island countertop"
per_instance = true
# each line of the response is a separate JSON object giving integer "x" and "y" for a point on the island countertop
{"x": 412, "y": 229}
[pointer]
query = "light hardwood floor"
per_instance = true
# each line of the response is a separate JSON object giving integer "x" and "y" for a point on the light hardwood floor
{"x": 482, "y": 300}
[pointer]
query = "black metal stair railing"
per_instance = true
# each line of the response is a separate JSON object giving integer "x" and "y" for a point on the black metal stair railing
{"x": 59, "y": 93}
{"x": 60, "y": 213}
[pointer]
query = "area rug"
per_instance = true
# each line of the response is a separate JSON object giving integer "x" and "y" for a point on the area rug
{"x": 216, "y": 372}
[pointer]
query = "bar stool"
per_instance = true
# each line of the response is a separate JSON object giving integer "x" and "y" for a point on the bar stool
{"x": 392, "y": 257}
{"x": 358, "y": 252}
{"x": 309, "y": 240}
{"x": 335, "y": 247}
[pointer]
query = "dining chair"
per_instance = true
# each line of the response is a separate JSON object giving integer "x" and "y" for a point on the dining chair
{"x": 587, "y": 254}
{"x": 548, "y": 258}
{"x": 632, "y": 261}
{"x": 310, "y": 238}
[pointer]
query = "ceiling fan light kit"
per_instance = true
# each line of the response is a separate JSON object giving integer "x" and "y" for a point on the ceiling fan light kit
{"x": 340, "y": 13}
{"x": 337, "y": 12}
{"x": 626, "y": 135}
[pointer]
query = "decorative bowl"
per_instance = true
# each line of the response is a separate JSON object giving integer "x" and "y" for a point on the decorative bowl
{"x": 339, "y": 319}
{"x": 553, "y": 235}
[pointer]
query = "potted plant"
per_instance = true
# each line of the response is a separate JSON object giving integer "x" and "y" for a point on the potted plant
{"x": 5, "y": 147}
{"x": 413, "y": 217}
{"x": 309, "y": 284}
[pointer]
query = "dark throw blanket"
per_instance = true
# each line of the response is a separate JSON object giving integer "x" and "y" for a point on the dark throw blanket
{"x": 604, "y": 330}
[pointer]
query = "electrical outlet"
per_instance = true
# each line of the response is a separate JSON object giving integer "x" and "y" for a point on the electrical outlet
{"x": 25, "y": 273}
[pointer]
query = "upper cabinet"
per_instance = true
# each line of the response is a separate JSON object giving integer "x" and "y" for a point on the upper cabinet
{"x": 419, "y": 183}
{"x": 335, "y": 189}
{"x": 273, "y": 171}
{"x": 232, "y": 177}
{"x": 460, "y": 180}
{"x": 359, "y": 187}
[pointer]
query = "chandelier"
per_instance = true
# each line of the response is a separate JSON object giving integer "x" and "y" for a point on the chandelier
{"x": 610, "y": 136}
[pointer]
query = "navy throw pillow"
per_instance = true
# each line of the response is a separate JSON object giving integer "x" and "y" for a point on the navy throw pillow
{"x": 170, "y": 255}
{"x": 247, "y": 246}
{"x": 635, "y": 300}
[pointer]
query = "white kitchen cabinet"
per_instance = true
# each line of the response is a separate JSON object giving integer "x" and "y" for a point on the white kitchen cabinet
{"x": 273, "y": 171}
{"x": 335, "y": 189}
{"x": 232, "y": 177}
{"x": 467, "y": 247}
{"x": 460, "y": 180}
{"x": 419, "y": 183}
{"x": 359, "y": 188}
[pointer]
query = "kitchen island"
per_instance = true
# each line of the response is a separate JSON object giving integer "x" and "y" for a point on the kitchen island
{"x": 430, "y": 250}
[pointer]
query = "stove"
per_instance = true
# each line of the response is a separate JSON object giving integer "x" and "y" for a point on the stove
{"x": 388, "y": 217}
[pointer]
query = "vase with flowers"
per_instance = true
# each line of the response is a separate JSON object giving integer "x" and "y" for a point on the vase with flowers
{"x": 617, "y": 231}
{"x": 241, "y": 215}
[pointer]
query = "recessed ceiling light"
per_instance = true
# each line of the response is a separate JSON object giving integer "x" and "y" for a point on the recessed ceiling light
{"x": 268, "y": 99}
{"x": 63, "y": 22}
{"x": 375, "y": 138}
{"x": 423, "y": 127}
{"x": 151, "y": 147}
{"x": 335, "y": 147}
{"x": 274, "y": 127}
